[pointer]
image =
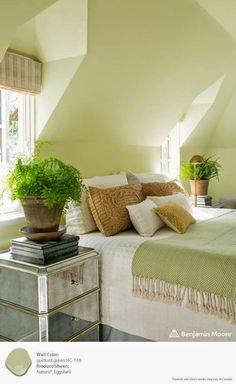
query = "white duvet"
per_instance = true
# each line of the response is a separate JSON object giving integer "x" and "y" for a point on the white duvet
{"x": 149, "y": 319}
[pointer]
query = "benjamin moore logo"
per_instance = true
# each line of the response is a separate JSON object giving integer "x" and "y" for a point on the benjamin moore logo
{"x": 174, "y": 333}
{"x": 196, "y": 334}
{"x": 18, "y": 361}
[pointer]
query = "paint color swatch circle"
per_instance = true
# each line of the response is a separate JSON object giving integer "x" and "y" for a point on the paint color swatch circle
{"x": 18, "y": 361}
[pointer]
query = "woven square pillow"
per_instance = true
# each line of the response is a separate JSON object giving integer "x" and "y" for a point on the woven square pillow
{"x": 161, "y": 189}
{"x": 177, "y": 198}
{"x": 108, "y": 207}
{"x": 144, "y": 219}
{"x": 79, "y": 218}
{"x": 175, "y": 216}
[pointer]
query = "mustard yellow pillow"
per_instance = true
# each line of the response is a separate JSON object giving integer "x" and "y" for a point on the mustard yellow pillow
{"x": 175, "y": 216}
{"x": 108, "y": 207}
{"x": 162, "y": 189}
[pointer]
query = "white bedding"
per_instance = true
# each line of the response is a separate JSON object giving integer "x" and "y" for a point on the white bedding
{"x": 149, "y": 319}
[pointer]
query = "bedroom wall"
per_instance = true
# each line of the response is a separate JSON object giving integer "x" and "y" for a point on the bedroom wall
{"x": 145, "y": 64}
{"x": 216, "y": 135}
{"x": 223, "y": 145}
{"x": 12, "y": 16}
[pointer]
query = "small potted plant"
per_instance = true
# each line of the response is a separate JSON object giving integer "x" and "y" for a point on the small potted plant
{"x": 44, "y": 188}
{"x": 204, "y": 171}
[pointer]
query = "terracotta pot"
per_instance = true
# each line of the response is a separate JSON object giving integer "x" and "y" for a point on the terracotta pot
{"x": 201, "y": 187}
{"x": 40, "y": 218}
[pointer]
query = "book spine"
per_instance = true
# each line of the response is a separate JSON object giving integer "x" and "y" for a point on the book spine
{"x": 44, "y": 246}
{"x": 56, "y": 252}
{"x": 19, "y": 248}
{"x": 43, "y": 261}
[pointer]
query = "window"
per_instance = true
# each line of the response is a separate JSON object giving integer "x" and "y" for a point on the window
{"x": 170, "y": 153}
{"x": 16, "y": 135}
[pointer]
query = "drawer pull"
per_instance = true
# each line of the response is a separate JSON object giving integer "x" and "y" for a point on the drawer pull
{"x": 75, "y": 275}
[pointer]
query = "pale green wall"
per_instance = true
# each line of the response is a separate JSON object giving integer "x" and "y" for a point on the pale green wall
{"x": 56, "y": 76}
{"x": 9, "y": 232}
{"x": 61, "y": 30}
{"x": 146, "y": 62}
{"x": 216, "y": 135}
{"x": 223, "y": 145}
{"x": 13, "y": 13}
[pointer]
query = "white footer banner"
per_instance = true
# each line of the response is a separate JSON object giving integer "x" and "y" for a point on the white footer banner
{"x": 120, "y": 362}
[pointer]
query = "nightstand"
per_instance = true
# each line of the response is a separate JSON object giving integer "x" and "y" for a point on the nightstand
{"x": 214, "y": 204}
{"x": 54, "y": 302}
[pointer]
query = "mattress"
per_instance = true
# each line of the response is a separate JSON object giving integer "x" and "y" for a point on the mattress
{"x": 152, "y": 320}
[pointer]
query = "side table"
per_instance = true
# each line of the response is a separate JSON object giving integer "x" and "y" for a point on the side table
{"x": 214, "y": 204}
{"x": 54, "y": 302}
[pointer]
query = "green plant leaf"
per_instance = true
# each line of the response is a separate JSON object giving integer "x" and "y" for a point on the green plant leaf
{"x": 49, "y": 178}
{"x": 208, "y": 169}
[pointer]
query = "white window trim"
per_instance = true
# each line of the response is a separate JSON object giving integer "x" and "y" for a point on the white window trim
{"x": 12, "y": 218}
{"x": 27, "y": 139}
{"x": 172, "y": 158}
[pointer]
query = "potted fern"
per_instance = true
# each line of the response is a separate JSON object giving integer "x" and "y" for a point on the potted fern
{"x": 208, "y": 169}
{"x": 44, "y": 188}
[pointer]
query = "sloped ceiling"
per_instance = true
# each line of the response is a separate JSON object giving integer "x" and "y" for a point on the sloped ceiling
{"x": 57, "y": 37}
{"x": 61, "y": 30}
{"x": 206, "y": 133}
{"x": 146, "y": 63}
{"x": 12, "y": 16}
{"x": 223, "y": 11}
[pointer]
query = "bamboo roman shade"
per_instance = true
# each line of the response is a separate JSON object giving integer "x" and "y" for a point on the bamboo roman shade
{"x": 20, "y": 73}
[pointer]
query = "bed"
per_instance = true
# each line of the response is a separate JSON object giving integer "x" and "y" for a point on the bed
{"x": 139, "y": 318}
{"x": 113, "y": 204}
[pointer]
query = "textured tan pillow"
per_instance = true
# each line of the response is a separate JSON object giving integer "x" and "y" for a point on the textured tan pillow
{"x": 108, "y": 207}
{"x": 79, "y": 218}
{"x": 161, "y": 189}
{"x": 175, "y": 216}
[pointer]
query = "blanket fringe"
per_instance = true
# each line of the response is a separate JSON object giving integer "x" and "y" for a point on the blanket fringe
{"x": 158, "y": 289}
{"x": 220, "y": 306}
{"x": 155, "y": 289}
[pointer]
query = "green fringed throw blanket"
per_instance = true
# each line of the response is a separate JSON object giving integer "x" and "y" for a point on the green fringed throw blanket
{"x": 197, "y": 268}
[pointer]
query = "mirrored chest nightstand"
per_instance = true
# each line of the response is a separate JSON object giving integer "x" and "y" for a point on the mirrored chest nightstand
{"x": 55, "y": 302}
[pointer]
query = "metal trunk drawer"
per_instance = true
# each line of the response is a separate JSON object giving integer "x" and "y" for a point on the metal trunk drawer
{"x": 72, "y": 282}
{"x": 62, "y": 325}
{"x": 75, "y": 318}
{"x": 90, "y": 335}
{"x": 42, "y": 288}
{"x": 19, "y": 287}
{"x": 17, "y": 325}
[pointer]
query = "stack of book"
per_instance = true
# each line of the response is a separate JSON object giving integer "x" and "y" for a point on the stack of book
{"x": 202, "y": 200}
{"x": 44, "y": 252}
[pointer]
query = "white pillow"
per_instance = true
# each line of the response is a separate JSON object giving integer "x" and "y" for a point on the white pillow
{"x": 146, "y": 177}
{"x": 178, "y": 198}
{"x": 79, "y": 218}
{"x": 144, "y": 219}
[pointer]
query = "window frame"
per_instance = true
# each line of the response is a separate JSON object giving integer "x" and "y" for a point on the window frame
{"x": 26, "y": 127}
{"x": 170, "y": 153}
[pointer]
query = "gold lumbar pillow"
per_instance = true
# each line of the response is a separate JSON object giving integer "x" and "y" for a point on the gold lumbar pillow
{"x": 108, "y": 206}
{"x": 175, "y": 216}
{"x": 162, "y": 189}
